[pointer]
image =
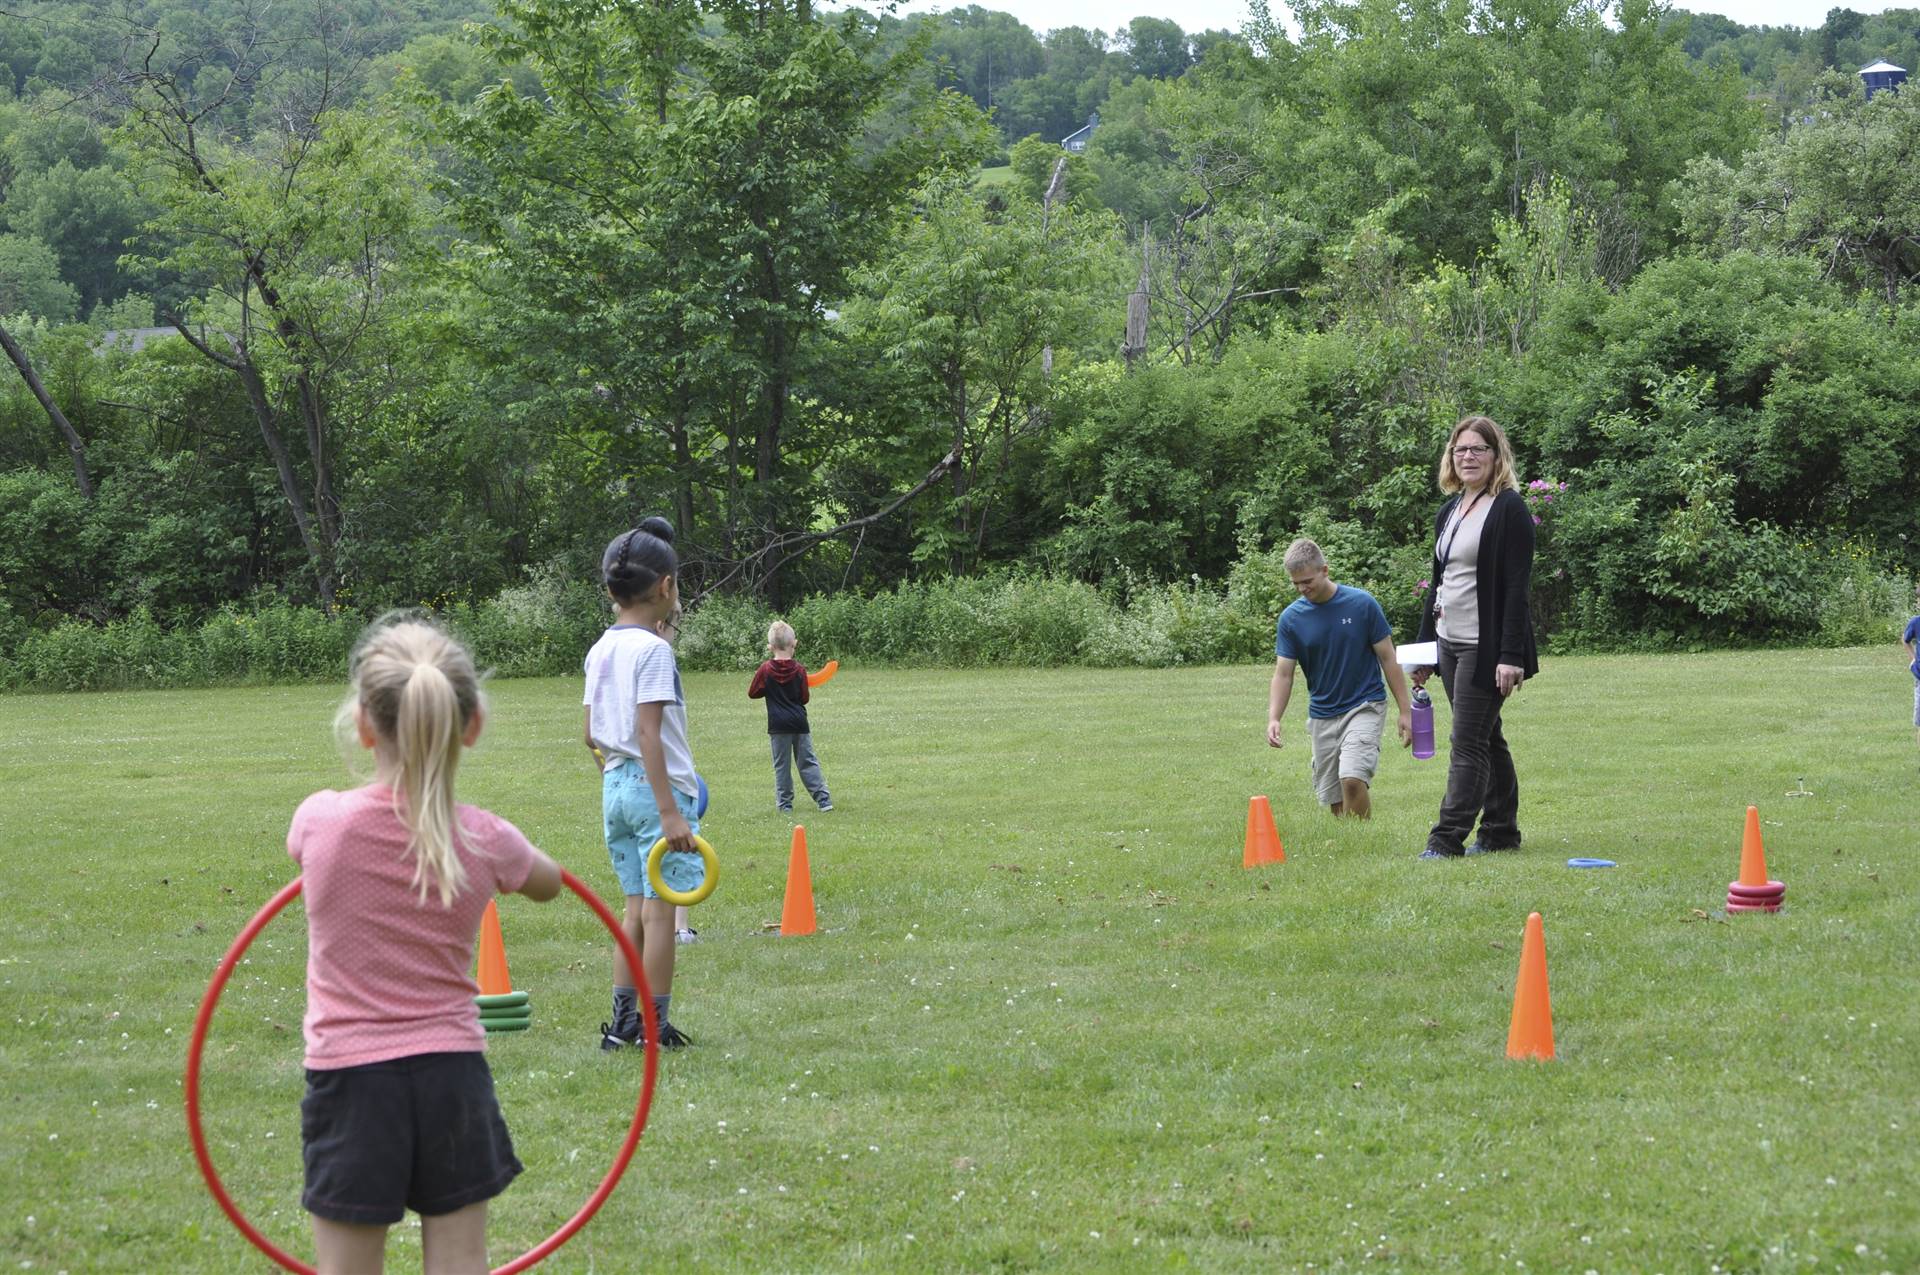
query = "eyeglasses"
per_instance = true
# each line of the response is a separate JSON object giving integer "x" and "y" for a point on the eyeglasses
{"x": 1473, "y": 452}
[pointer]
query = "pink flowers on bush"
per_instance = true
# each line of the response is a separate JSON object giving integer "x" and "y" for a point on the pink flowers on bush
{"x": 1539, "y": 496}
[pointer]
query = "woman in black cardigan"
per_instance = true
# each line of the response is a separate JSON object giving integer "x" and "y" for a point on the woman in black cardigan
{"x": 1477, "y": 611}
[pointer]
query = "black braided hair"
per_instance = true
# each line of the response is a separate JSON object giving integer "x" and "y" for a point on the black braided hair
{"x": 636, "y": 561}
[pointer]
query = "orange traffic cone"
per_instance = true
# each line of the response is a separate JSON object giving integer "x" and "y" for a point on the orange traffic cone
{"x": 1753, "y": 855}
{"x": 1263, "y": 837}
{"x": 494, "y": 979}
{"x": 1753, "y": 892}
{"x": 1531, "y": 1035}
{"x": 796, "y": 914}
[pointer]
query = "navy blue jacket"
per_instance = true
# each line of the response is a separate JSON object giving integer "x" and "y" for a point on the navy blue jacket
{"x": 783, "y": 684}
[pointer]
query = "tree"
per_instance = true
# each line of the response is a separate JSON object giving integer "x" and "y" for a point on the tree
{"x": 1841, "y": 188}
{"x": 963, "y": 311}
{"x": 291, "y": 222}
{"x": 1157, "y": 48}
{"x": 30, "y": 281}
{"x": 75, "y": 448}
{"x": 687, "y": 209}
{"x": 86, "y": 216}
{"x": 983, "y": 50}
{"x": 1225, "y": 239}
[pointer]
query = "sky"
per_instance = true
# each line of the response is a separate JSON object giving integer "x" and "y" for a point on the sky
{"x": 1201, "y": 15}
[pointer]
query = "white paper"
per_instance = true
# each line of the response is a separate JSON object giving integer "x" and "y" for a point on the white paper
{"x": 1418, "y": 654}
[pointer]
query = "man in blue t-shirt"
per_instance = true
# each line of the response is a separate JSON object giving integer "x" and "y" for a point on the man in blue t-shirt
{"x": 1912, "y": 638}
{"x": 1339, "y": 637}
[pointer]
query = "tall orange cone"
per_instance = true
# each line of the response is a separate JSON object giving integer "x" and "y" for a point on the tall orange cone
{"x": 1263, "y": 837}
{"x": 494, "y": 979}
{"x": 1753, "y": 855}
{"x": 1531, "y": 1035}
{"x": 1753, "y": 892}
{"x": 796, "y": 914}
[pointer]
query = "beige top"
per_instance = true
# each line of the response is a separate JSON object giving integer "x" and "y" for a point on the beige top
{"x": 1456, "y": 600}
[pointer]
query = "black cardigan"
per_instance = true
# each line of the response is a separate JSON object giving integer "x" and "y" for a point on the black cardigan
{"x": 1501, "y": 582}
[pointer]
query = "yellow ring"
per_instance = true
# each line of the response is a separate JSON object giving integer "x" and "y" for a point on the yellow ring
{"x": 691, "y": 897}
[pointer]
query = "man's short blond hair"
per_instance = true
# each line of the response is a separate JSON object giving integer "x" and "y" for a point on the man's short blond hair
{"x": 1303, "y": 555}
{"x": 780, "y": 636}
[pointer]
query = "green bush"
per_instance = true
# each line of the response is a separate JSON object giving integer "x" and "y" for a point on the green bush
{"x": 43, "y": 551}
{"x": 545, "y": 626}
{"x": 727, "y": 634}
{"x": 541, "y": 628}
{"x": 1860, "y": 601}
{"x": 75, "y": 656}
{"x": 275, "y": 643}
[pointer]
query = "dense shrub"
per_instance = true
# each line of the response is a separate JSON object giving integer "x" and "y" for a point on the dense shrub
{"x": 540, "y": 628}
{"x": 43, "y": 522}
{"x": 725, "y": 634}
{"x": 274, "y": 643}
{"x": 1838, "y": 593}
{"x": 1861, "y": 600}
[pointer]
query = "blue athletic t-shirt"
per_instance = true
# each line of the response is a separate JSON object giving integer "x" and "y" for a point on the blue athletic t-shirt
{"x": 1332, "y": 642}
{"x": 1913, "y": 635}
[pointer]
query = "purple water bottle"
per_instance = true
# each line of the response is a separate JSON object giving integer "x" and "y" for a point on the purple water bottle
{"x": 1422, "y": 724}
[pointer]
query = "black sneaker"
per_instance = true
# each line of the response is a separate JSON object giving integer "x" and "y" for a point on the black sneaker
{"x": 1481, "y": 847}
{"x": 672, "y": 1037}
{"x": 1431, "y": 853}
{"x": 612, "y": 1041}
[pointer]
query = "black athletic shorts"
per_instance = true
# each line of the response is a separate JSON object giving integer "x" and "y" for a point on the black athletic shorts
{"x": 421, "y": 1133}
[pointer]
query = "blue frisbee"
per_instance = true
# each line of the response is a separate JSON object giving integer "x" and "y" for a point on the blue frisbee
{"x": 700, "y": 807}
{"x": 1590, "y": 863}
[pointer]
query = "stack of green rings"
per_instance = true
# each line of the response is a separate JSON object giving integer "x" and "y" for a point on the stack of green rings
{"x": 507, "y": 1012}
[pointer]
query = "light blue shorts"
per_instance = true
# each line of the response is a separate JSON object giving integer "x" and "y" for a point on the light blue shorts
{"x": 633, "y": 825}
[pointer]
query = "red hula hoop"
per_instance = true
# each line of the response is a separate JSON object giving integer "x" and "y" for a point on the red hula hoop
{"x": 650, "y": 1026}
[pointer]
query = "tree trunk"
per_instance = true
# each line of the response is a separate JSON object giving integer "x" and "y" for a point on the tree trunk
{"x": 683, "y": 481}
{"x": 75, "y": 447}
{"x": 313, "y": 415}
{"x": 766, "y": 454}
{"x": 319, "y": 548}
{"x": 1056, "y": 191}
{"x": 1135, "y": 344}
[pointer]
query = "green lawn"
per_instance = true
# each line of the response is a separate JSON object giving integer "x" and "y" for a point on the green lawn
{"x": 1049, "y": 1022}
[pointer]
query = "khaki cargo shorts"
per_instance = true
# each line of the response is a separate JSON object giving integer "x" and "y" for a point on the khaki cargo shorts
{"x": 1346, "y": 747}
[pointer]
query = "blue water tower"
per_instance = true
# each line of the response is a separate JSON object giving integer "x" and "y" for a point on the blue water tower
{"x": 1883, "y": 75}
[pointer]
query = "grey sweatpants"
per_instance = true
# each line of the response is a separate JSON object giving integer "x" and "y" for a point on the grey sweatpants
{"x": 788, "y": 749}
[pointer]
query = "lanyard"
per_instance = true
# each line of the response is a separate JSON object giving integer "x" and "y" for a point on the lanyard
{"x": 1446, "y": 546}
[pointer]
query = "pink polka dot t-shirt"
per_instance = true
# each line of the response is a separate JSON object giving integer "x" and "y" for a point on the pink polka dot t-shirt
{"x": 387, "y": 974}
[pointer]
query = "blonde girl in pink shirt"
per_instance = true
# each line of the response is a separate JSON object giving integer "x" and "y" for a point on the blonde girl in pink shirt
{"x": 399, "y": 1111}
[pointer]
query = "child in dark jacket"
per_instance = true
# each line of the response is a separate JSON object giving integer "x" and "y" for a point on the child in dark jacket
{"x": 782, "y": 682}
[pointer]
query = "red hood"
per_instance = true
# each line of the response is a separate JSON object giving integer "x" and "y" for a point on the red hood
{"x": 786, "y": 670}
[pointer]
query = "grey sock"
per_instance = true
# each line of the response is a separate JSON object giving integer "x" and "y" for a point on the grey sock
{"x": 660, "y": 1004}
{"x": 626, "y": 1012}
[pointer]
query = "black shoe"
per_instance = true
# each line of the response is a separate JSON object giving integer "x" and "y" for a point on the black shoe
{"x": 1481, "y": 847}
{"x": 612, "y": 1041}
{"x": 672, "y": 1037}
{"x": 1431, "y": 853}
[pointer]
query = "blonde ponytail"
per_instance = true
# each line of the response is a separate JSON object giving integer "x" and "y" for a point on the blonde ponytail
{"x": 428, "y": 735}
{"x": 419, "y": 691}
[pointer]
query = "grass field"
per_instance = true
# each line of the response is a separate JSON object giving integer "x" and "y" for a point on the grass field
{"x": 1049, "y": 1022}
{"x": 989, "y": 178}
